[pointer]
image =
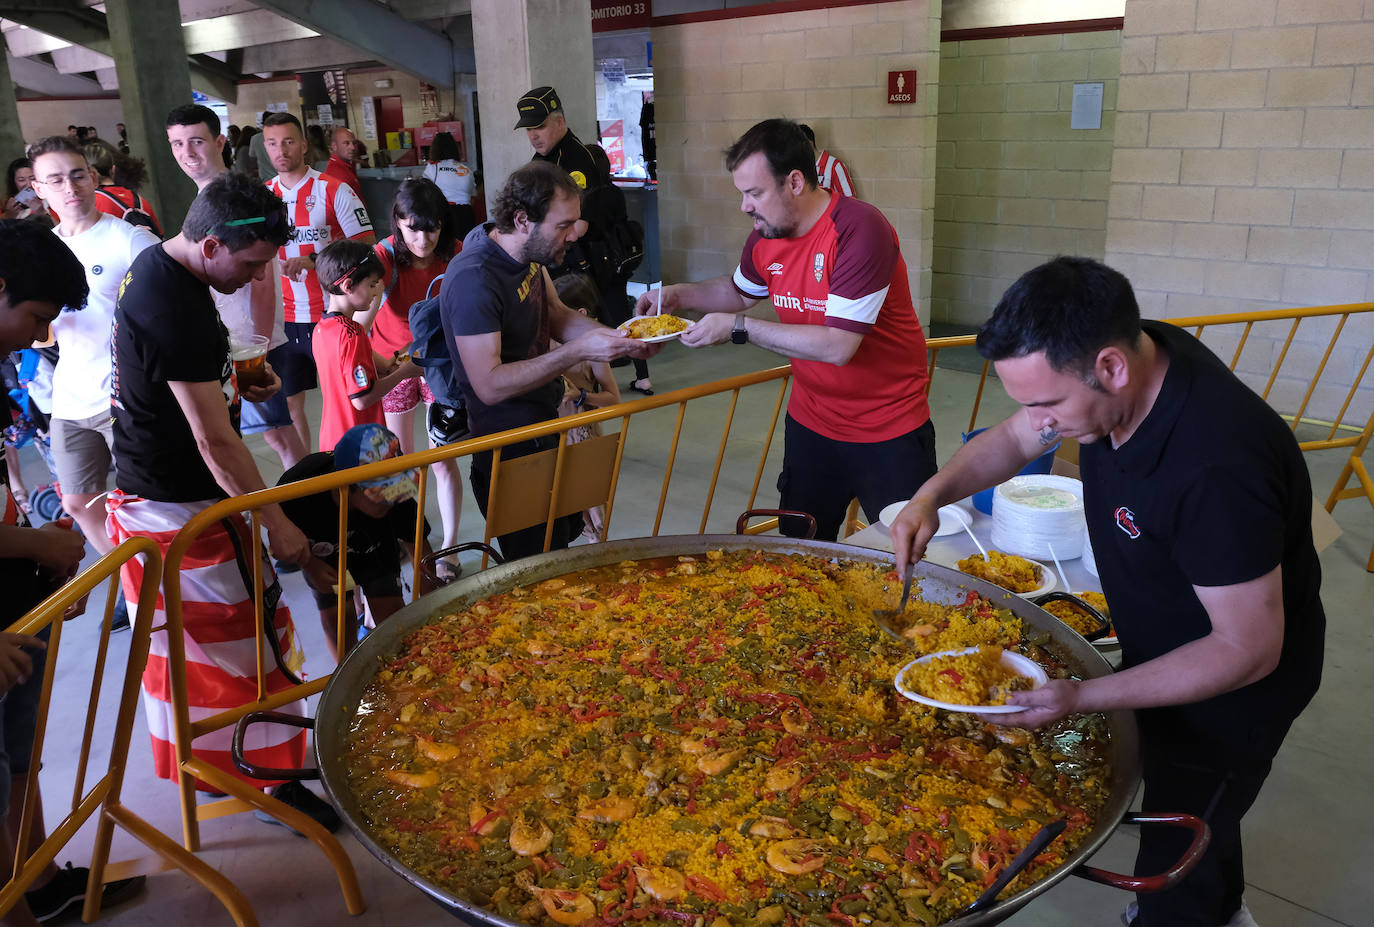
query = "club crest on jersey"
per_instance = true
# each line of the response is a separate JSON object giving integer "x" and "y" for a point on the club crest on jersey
{"x": 775, "y": 268}
{"x": 310, "y": 201}
{"x": 360, "y": 377}
{"x": 818, "y": 267}
{"x": 1125, "y": 520}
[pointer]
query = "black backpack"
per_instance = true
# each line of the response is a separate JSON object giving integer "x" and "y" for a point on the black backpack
{"x": 430, "y": 350}
{"x": 133, "y": 213}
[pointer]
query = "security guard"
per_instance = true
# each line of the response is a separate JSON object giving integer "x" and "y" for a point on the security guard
{"x": 541, "y": 116}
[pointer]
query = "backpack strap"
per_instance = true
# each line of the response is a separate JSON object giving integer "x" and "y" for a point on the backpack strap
{"x": 390, "y": 250}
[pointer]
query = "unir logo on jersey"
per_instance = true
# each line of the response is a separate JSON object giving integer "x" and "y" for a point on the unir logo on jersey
{"x": 818, "y": 268}
{"x": 1125, "y": 520}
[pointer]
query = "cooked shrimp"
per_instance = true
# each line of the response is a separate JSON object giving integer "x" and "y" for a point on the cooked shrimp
{"x": 482, "y": 819}
{"x": 772, "y": 828}
{"x": 530, "y": 836}
{"x": 437, "y": 751}
{"x": 794, "y": 721}
{"x": 782, "y": 777}
{"x": 544, "y": 648}
{"x": 567, "y": 907}
{"x": 694, "y": 746}
{"x": 718, "y": 762}
{"x": 412, "y": 780}
{"x": 662, "y": 883}
{"x": 611, "y": 810}
{"x": 919, "y": 630}
{"x": 1013, "y": 736}
{"x": 796, "y": 857}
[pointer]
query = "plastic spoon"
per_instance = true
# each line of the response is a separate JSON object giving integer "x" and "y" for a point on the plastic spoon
{"x": 963, "y": 520}
{"x": 1058, "y": 566}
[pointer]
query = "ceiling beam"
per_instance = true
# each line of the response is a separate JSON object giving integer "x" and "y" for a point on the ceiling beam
{"x": 301, "y": 55}
{"x": 380, "y": 33}
{"x": 86, "y": 27}
{"x": 36, "y": 77}
{"x": 431, "y": 9}
{"x": 241, "y": 30}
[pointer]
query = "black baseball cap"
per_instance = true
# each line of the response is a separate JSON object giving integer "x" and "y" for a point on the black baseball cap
{"x": 537, "y": 106}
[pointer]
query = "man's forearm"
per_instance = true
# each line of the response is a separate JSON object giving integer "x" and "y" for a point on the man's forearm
{"x": 986, "y": 460}
{"x": 506, "y": 381}
{"x": 233, "y": 467}
{"x": 1200, "y": 669}
{"x": 804, "y": 342}
{"x": 715, "y": 295}
{"x": 263, "y": 297}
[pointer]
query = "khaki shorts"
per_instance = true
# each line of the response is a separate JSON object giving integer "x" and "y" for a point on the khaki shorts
{"x": 82, "y": 450}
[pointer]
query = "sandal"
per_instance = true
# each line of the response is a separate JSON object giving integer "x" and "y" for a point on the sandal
{"x": 647, "y": 390}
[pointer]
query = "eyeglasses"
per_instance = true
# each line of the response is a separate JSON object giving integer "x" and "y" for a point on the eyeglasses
{"x": 338, "y": 284}
{"x": 76, "y": 178}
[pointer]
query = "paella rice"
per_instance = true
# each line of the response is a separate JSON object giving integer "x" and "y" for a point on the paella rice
{"x": 653, "y": 326}
{"x": 1006, "y": 570}
{"x": 1076, "y": 618}
{"x": 709, "y": 740}
{"x": 977, "y": 678}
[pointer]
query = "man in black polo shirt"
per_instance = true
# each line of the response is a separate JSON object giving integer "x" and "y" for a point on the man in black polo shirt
{"x": 1199, "y": 509}
{"x": 541, "y": 116}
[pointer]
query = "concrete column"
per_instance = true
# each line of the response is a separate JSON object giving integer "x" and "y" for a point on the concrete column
{"x": 11, "y": 133}
{"x": 150, "y": 84}
{"x": 522, "y": 44}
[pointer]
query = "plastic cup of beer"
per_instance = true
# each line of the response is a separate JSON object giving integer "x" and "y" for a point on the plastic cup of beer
{"x": 249, "y": 354}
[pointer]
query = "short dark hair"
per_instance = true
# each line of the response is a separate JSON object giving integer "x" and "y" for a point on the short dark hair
{"x": 1070, "y": 308}
{"x": 109, "y": 161}
{"x": 224, "y": 204}
{"x": 577, "y": 291}
{"x": 54, "y": 144}
{"x": 531, "y": 189}
{"x": 36, "y": 264}
{"x": 282, "y": 119}
{"x": 18, "y": 164}
{"x": 346, "y": 256}
{"x": 783, "y": 143}
{"x": 419, "y": 198}
{"x": 193, "y": 114}
{"x": 809, "y": 132}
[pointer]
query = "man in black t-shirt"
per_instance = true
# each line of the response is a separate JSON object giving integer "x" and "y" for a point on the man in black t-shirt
{"x": 1199, "y": 507}
{"x": 381, "y": 523}
{"x": 178, "y": 451}
{"x": 500, "y": 311}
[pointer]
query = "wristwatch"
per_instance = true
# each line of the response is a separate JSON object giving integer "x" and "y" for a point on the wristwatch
{"x": 739, "y": 334}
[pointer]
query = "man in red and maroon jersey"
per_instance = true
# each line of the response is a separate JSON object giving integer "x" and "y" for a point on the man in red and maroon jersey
{"x": 858, "y": 423}
{"x": 343, "y": 159}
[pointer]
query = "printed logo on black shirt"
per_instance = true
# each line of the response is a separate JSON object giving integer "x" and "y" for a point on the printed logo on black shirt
{"x": 1125, "y": 520}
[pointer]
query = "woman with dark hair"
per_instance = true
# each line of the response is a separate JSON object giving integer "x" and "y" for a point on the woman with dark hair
{"x": 21, "y": 197}
{"x": 118, "y": 178}
{"x": 454, "y": 179}
{"x": 244, "y": 162}
{"x": 603, "y": 206}
{"x": 412, "y": 257}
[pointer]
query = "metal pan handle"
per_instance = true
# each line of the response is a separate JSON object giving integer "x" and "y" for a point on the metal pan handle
{"x": 267, "y": 772}
{"x": 743, "y": 521}
{"x": 1145, "y": 885}
{"x": 427, "y": 563}
{"x": 1104, "y": 624}
{"x": 1043, "y": 838}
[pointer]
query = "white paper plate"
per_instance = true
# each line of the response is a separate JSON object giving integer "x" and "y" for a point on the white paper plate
{"x": 949, "y": 517}
{"x": 1014, "y": 661}
{"x": 1047, "y": 574}
{"x": 624, "y": 326}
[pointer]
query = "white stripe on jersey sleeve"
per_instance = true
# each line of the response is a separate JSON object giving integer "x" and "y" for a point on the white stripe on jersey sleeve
{"x": 864, "y": 309}
{"x": 350, "y": 213}
{"x": 749, "y": 287}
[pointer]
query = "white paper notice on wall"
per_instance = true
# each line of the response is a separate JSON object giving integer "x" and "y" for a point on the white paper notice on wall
{"x": 1087, "y": 107}
{"x": 369, "y": 120}
{"x": 326, "y": 112}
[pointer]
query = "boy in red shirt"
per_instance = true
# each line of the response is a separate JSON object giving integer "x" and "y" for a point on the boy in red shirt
{"x": 353, "y": 377}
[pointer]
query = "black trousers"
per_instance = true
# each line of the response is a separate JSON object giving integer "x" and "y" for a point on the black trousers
{"x": 1217, "y": 785}
{"x": 820, "y": 475}
{"x": 527, "y": 541}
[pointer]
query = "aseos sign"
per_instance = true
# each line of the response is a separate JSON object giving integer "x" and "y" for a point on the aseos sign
{"x": 610, "y": 15}
{"x": 901, "y": 87}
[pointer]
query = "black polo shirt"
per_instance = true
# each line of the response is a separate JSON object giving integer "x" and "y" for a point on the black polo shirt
{"x": 1211, "y": 490}
{"x": 573, "y": 156}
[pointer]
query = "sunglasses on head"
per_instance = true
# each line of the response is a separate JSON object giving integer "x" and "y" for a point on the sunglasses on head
{"x": 357, "y": 265}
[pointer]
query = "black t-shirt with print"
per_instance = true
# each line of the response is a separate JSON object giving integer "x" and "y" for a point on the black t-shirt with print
{"x": 374, "y": 544}
{"x": 166, "y": 329}
{"x": 487, "y": 291}
{"x": 1211, "y": 490}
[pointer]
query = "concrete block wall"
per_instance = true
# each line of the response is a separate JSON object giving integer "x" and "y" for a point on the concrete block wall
{"x": 825, "y": 67}
{"x": 1243, "y": 175}
{"x": 1014, "y": 185}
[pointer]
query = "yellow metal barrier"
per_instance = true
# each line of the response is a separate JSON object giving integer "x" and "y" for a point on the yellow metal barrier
{"x": 103, "y": 796}
{"x": 558, "y": 502}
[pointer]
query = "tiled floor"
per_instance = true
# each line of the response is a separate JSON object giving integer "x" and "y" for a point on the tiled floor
{"x": 1310, "y": 839}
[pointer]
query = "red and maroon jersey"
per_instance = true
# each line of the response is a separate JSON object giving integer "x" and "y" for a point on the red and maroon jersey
{"x": 846, "y": 272}
{"x": 343, "y": 359}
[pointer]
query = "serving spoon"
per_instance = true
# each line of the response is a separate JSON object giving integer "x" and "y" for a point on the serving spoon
{"x": 881, "y": 615}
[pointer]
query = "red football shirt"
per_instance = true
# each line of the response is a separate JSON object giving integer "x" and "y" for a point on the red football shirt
{"x": 846, "y": 272}
{"x": 342, "y": 170}
{"x": 343, "y": 359}
{"x": 405, "y": 286}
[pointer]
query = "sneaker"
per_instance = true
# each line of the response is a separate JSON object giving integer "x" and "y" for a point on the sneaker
{"x": 1129, "y": 915}
{"x": 1242, "y": 918}
{"x": 297, "y": 796}
{"x": 67, "y": 890}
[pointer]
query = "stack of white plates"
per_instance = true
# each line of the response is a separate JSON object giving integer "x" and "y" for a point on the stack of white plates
{"x": 1032, "y": 514}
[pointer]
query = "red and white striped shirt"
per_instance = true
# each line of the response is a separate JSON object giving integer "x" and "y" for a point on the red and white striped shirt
{"x": 323, "y": 209}
{"x": 833, "y": 175}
